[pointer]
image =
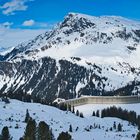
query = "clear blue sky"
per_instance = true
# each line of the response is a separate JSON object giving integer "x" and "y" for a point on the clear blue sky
{"x": 39, "y": 12}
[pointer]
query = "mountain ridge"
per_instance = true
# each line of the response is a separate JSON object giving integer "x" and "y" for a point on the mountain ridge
{"x": 40, "y": 37}
{"x": 83, "y": 55}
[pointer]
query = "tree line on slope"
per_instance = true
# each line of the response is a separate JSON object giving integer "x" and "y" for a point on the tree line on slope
{"x": 68, "y": 107}
{"x": 130, "y": 116}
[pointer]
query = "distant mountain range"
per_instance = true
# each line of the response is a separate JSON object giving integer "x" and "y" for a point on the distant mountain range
{"x": 82, "y": 55}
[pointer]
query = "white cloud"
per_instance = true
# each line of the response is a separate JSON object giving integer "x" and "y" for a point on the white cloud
{"x": 28, "y": 22}
{"x": 35, "y": 24}
{"x": 9, "y": 8}
{"x": 12, "y": 37}
{"x": 6, "y": 24}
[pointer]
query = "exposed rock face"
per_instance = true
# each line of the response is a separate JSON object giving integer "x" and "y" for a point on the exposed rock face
{"x": 83, "y": 55}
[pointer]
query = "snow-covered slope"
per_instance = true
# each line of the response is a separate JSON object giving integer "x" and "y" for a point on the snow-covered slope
{"x": 60, "y": 121}
{"x": 81, "y": 55}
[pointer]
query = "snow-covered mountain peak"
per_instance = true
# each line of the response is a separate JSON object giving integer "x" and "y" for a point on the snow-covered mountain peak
{"x": 80, "y": 35}
{"x": 102, "y": 20}
{"x": 81, "y": 55}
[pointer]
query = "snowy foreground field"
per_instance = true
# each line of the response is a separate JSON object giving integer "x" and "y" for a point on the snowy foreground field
{"x": 60, "y": 121}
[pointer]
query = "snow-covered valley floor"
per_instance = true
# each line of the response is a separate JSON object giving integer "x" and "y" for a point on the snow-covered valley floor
{"x": 60, "y": 121}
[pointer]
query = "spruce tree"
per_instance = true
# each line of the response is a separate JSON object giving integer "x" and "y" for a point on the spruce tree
{"x": 114, "y": 125}
{"x": 110, "y": 129}
{"x": 103, "y": 112}
{"x": 5, "y": 133}
{"x": 30, "y": 131}
{"x": 77, "y": 113}
{"x": 70, "y": 128}
{"x": 138, "y": 121}
{"x": 119, "y": 127}
{"x": 73, "y": 110}
{"x": 93, "y": 114}
{"x": 138, "y": 136}
{"x": 64, "y": 136}
{"x": 81, "y": 115}
{"x": 44, "y": 132}
{"x": 97, "y": 113}
{"x": 27, "y": 117}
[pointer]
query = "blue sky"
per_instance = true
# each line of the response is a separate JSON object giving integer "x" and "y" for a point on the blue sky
{"x": 44, "y": 13}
